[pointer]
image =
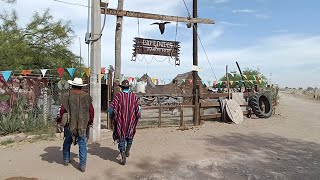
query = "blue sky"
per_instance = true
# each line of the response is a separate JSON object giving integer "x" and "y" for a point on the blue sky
{"x": 280, "y": 37}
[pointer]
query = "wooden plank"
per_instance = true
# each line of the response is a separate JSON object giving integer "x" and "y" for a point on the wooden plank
{"x": 169, "y": 95}
{"x": 209, "y": 104}
{"x": 159, "y": 120}
{"x": 181, "y": 117}
{"x": 217, "y": 95}
{"x": 196, "y": 109}
{"x": 201, "y": 111}
{"x": 213, "y": 95}
{"x": 164, "y": 107}
{"x": 160, "y": 17}
{"x": 218, "y": 115}
{"x": 212, "y": 116}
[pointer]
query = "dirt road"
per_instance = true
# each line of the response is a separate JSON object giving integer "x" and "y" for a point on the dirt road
{"x": 286, "y": 146}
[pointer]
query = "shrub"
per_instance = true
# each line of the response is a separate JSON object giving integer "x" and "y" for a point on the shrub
{"x": 20, "y": 119}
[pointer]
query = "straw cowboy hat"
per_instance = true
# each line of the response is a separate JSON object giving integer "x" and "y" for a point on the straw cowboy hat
{"x": 76, "y": 82}
{"x": 124, "y": 84}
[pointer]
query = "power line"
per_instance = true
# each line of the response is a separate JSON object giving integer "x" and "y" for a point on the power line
{"x": 187, "y": 8}
{"x": 189, "y": 14}
{"x": 70, "y": 3}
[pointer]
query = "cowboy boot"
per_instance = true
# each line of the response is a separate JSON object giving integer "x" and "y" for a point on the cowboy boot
{"x": 128, "y": 150}
{"x": 123, "y": 158}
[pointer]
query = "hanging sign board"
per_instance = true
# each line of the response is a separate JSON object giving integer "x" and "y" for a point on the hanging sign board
{"x": 156, "y": 47}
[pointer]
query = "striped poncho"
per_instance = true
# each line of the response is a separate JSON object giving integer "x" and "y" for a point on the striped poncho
{"x": 126, "y": 112}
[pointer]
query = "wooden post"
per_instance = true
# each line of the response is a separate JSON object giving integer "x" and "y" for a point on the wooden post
{"x": 109, "y": 97}
{"x": 159, "y": 120}
{"x": 95, "y": 69}
{"x": 196, "y": 108}
{"x": 228, "y": 82}
{"x": 181, "y": 116}
{"x": 118, "y": 38}
{"x": 195, "y": 63}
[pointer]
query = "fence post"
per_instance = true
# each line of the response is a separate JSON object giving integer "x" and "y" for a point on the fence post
{"x": 181, "y": 116}
{"x": 45, "y": 104}
{"x": 109, "y": 98}
{"x": 159, "y": 120}
{"x": 196, "y": 108}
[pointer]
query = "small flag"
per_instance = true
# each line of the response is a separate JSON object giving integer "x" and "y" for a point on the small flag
{"x": 6, "y": 75}
{"x": 231, "y": 82}
{"x": 254, "y": 77}
{"x": 43, "y": 72}
{"x": 60, "y": 72}
{"x": 214, "y": 82}
{"x": 103, "y": 70}
{"x": 26, "y": 72}
{"x": 102, "y": 76}
{"x": 71, "y": 71}
{"x": 251, "y": 81}
{"x": 82, "y": 74}
{"x": 87, "y": 71}
{"x": 245, "y": 76}
{"x": 260, "y": 81}
{"x": 105, "y": 76}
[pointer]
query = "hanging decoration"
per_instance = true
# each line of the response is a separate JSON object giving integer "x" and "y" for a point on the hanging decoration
{"x": 214, "y": 82}
{"x": 6, "y": 75}
{"x": 71, "y": 71}
{"x": 156, "y": 47}
{"x": 60, "y": 72}
{"x": 87, "y": 71}
{"x": 43, "y": 72}
{"x": 26, "y": 72}
{"x": 103, "y": 70}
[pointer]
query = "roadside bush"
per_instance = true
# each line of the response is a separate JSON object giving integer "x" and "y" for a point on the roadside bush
{"x": 20, "y": 119}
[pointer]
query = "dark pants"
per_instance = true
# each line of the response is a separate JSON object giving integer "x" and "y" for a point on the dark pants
{"x": 124, "y": 143}
{"x": 82, "y": 142}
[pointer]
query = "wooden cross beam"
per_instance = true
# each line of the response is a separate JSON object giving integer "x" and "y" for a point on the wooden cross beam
{"x": 116, "y": 12}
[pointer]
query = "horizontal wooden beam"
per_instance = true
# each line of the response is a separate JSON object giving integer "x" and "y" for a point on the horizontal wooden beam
{"x": 212, "y": 116}
{"x": 116, "y": 12}
{"x": 209, "y": 104}
{"x": 217, "y": 95}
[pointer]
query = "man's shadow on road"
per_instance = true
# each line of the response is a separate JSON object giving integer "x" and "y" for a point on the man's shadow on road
{"x": 104, "y": 153}
{"x": 54, "y": 155}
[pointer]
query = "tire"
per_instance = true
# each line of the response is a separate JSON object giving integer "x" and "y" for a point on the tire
{"x": 261, "y": 105}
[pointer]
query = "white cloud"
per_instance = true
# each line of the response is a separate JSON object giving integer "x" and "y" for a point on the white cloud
{"x": 243, "y": 11}
{"x": 220, "y": 1}
{"x": 230, "y": 23}
{"x": 263, "y": 16}
{"x": 280, "y": 31}
{"x": 292, "y": 59}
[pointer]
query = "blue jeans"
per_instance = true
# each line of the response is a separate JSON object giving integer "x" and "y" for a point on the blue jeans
{"x": 82, "y": 142}
{"x": 124, "y": 143}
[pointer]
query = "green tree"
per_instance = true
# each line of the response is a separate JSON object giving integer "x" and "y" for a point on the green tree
{"x": 251, "y": 77}
{"x": 9, "y": 1}
{"x": 43, "y": 43}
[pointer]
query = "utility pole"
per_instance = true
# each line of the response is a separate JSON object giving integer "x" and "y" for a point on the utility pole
{"x": 118, "y": 37}
{"x": 195, "y": 62}
{"x": 95, "y": 69}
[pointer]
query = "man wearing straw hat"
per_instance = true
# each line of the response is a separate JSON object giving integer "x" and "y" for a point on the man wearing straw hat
{"x": 76, "y": 115}
{"x": 125, "y": 112}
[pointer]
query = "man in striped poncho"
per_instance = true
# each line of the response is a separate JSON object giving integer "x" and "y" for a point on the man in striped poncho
{"x": 125, "y": 112}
